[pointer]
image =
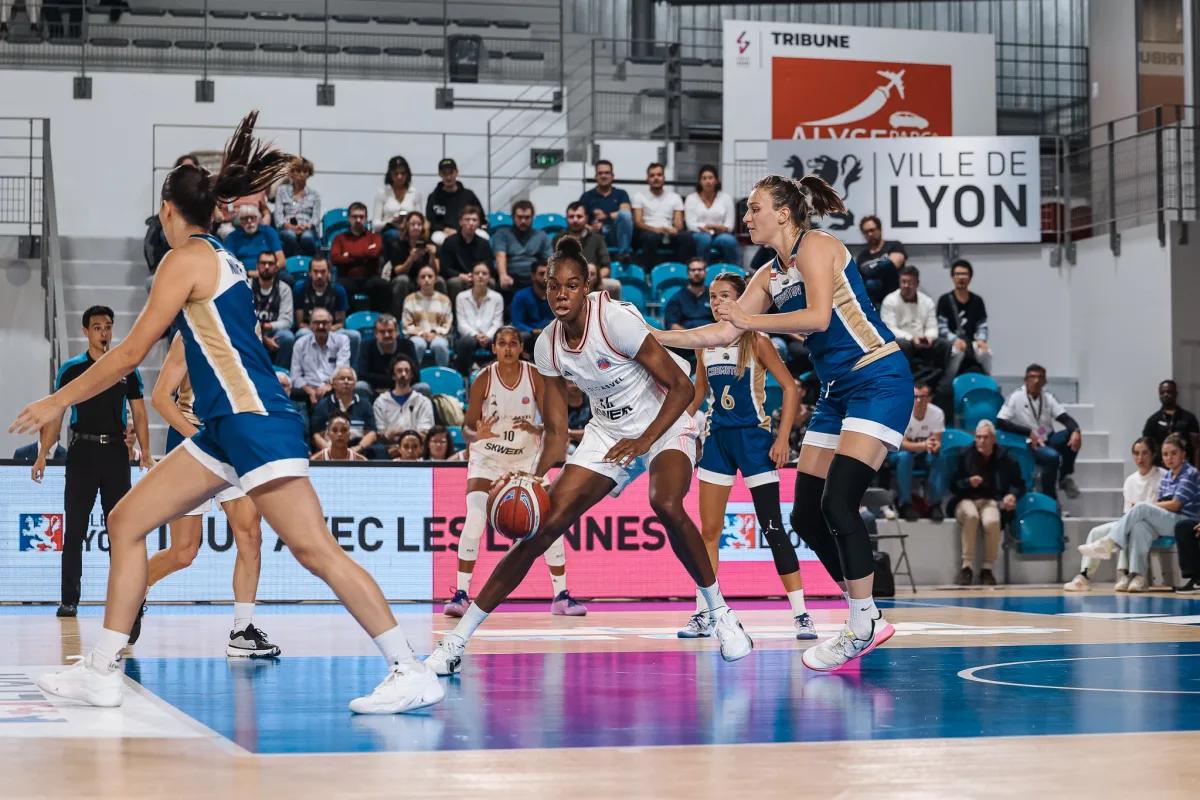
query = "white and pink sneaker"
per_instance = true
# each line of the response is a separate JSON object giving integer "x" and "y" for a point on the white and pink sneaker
{"x": 834, "y": 653}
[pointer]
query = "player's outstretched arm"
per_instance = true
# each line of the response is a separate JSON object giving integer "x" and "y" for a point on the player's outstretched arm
{"x": 553, "y": 406}
{"x": 819, "y": 256}
{"x": 755, "y": 300}
{"x": 170, "y": 377}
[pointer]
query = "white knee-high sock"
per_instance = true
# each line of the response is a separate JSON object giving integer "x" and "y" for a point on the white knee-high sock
{"x": 796, "y": 598}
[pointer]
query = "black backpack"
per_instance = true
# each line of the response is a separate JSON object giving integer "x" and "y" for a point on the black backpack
{"x": 885, "y": 583}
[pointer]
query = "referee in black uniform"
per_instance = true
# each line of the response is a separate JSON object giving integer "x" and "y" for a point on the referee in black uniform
{"x": 97, "y": 459}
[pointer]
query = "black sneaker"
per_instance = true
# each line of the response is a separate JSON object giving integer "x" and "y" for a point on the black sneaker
{"x": 250, "y": 643}
{"x": 909, "y": 513}
{"x": 67, "y": 610}
{"x": 986, "y": 578}
{"x": 136, "y": 631}
{"x": 1191, "y": 586}
{"x": 936, "y": 514}
{"x": 966, "y": 576}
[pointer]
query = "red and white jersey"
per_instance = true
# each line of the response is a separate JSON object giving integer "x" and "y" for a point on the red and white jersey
{"x": 625, "y": 398}
{"x": 509, "y": 404}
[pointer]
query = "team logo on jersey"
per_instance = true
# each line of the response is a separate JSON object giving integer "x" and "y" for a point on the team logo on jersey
{"x": 524, "y": 401}
{"x": 603, "y": 363}
{"x": 41, "y": 532}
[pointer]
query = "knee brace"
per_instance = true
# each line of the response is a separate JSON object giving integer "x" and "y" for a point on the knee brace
{"x": 845, "y": 485}
{"x": 808, "y": 521}
{"x": 472, "y": 532}
{"x": 556, "y": 554}
{"x": 770, "y": 521}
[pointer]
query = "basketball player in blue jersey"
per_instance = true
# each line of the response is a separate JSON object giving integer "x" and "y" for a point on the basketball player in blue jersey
{"x": 866, "y": 388}
{"x": 738, "y": 437}
{"x": 252, "y": 437}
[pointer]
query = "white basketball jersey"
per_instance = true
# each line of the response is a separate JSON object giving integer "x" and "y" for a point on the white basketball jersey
{"x": 509, "y": 404}
{"x": 625, "y": 398}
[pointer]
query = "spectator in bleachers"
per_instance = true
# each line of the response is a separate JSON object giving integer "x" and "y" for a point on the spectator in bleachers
{"x": 394, "y": 201}
{"x": 274, "y": 306}
{"x": 252, "y": 237}
{"x": 709, "y": 215}
{"x": 689, "y": 307}
{"x": 986, "y": 483}
{"x": 609, "y": 211}
{"x": 1140, "y": 487}
{"x": 599, "y": 284}
{"x": 344, "y": 400}
{"x": 1178, "y": 503}
{"x": 595, "y": 251}
{"x": 920, "y": 447}
{"x": 658, "y": 222}
{"x": 530, "y": 310}
{"x": 478, "y": 314}
{"x": 337, "y": 437}
{"x": 879, "y": 261}
{"x": 447, "y": 201}
{"x": 401, "y": 409}
{"x": 440, "y": 447}
{"x": 381, "y": 351}
{"x": 318, "y": 291}
{"x": 316, "y": 357}
{"x": 1031, "y": 412}
{"x": 963, "y": 323}
{"x": 911, "y": 316}
{"x": 410, "y": 446}
{"x": 1187, "y": 547}
{"x": 356, "y": 253}
{"x": 1171, "y": 418}
{"x": 519, "y": 249}
{"x": 412, "y": 250}
{"x": 298, "y": 211}
{"x": 226, "y": 214}
{"x": 462, "y": 251}
{"x": 427, "y": 318}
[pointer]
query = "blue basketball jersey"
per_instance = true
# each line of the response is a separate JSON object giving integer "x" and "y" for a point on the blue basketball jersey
{"x": 734, "y": 401}
{"x": 856, "y": 335}
{"x": 228, "y": 366}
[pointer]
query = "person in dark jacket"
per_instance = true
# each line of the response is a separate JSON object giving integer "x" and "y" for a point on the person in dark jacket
{"x": 986, "y": 484}
{"x": 446, "y": 203}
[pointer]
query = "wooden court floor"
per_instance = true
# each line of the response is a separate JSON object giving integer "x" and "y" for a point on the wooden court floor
{"x": 980, "y": 694}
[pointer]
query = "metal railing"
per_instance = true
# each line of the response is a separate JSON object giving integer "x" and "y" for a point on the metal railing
{"x": 52, "y": 263}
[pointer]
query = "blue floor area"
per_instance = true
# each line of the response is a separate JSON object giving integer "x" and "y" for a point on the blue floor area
{"x": 1091, "y": 603}
{"x": 298, "y": 705}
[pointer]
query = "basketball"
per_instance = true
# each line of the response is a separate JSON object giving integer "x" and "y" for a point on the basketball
{"x": 517, "y": 506}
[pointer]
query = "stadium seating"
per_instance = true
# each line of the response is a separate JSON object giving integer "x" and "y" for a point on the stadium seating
{"x": 774, "y": 395}
{"x": 499, "y": 219}
{"x": 550, "y": 223}
{"x": 630, "y": 274}
{"x": 974, "y": 382}
{"x": 1036, "y": 529}
{"x": 1019, "y": 450}
{"x": 667, "y": 274}
{"x": 443, "y": 380}
{"x": 716, "y": 269}
{"x": 335, "y": 221}
{"x": 634, "y": 293}
{"x": 362, "y": 321}
{"x": 456, "y": 436}
{"x": 297, "y": 266}
{"x": 953, "y": 443}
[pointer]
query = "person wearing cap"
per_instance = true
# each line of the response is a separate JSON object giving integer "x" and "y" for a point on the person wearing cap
{"x": 987, "y": 482}
{"x": 446, "y": 202}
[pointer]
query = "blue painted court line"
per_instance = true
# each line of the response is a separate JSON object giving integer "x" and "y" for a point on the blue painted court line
{"x": 298, "y": 705}
{"x": 1083, "y": 603}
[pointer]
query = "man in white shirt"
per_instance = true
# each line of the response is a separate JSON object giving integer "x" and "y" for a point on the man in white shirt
{"x": 911, "y": 316}
{"x": 479, "y": 314}
{"x": 658, "y": 222}
{"x": 1031, "y": 412}
{"x": 921, "y": 446}
{"x": 401, "y": 409}
{"x": 315, "y": 358}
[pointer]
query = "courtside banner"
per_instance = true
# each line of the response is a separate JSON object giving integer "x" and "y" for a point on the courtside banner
{"x": 798, "y": 81}
{"x": 402, "y": 524}
{"x": 935, "y": 190}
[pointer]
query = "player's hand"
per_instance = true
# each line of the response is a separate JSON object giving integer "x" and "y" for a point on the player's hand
{"x": 528, "y": 427}
{"x": 146, "y": 461}
{"x": 484, "y": 429}
{"x": 730, "y": 311}
{"x": 779, "y": 452}
{"x": 39, "y": 470}
{"x": 37, "y": 415}
{"x": 626, "y": 451}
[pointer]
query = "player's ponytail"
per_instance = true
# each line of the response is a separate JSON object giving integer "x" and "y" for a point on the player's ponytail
{"x": 803, "y": 197}
{"x": 822, "y": 198}
{"x": 745, "y": 342}
{"x": 568, "y": 248}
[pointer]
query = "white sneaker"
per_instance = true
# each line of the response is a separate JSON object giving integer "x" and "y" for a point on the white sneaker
{"x": 1138, "y": 584}
{"x": 836, "y": 652}
{"x": 406, "y": 688}
{"x": 85, "y": 684}
{"x": 1122, "y": 584}
{"x": 1101, "y": 549}
{"x": 735, "y": 642}
{"x": 700, "y": 626}
{"x": 446, "y": 658}
{"x": 1079, "y": 583}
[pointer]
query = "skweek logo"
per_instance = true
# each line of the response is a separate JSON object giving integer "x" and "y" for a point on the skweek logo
{"x": 834, "y": 99}
{"x": 740, "y": 532}
{"x": 41, "y": 532}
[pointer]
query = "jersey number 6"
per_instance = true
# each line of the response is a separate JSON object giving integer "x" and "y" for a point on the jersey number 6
{"x": 726, "y": 399}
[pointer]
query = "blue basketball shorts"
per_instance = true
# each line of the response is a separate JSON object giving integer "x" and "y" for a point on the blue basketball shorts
{"x": 728, "y": 451}
{"x": 248, "y": 450}
{"x": 876, "y": 400}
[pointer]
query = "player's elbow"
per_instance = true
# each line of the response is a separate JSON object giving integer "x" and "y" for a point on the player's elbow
{"x": 821, "y": 320}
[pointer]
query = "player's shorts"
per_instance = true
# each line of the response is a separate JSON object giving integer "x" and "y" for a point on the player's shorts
{"x": 174, "y": 439}
{"x": 728, "y": 451}
{"x": 876, "y": 400}
{"x": 596, "y": 443}
{"x": 248, "y": 450}
{"x": 489, "y": 468}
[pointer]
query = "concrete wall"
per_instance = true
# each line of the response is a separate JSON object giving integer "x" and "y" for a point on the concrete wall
{"x": 1185, "y": 319}
{"x": 25, "y": 363}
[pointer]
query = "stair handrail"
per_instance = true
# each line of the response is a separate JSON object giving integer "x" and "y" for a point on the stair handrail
{"x": 52, "y": 265}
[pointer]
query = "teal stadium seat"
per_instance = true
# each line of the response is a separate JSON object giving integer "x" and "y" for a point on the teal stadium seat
{"x": 550, "y": 223}
{"x": 953, "y": 443}
{"x": 499, "y": 219}
{"x": 978, "y": 403}
{"x": 716, "y": 269}
{"x": 297, "y": 266}
{"x": 1018, "y": 448}
{"x": 443, "y": 380}
{"x": 774, "y": 395}
{"x": 972, "y": 380}
{"x": 335, "y": 221}
{"x": 1036, "y": 530}
{"x": 634, "y": 293}
{"x": 362, "y": 321}
{"x": 456, "y": 436}
{"x": 670, "y": 273}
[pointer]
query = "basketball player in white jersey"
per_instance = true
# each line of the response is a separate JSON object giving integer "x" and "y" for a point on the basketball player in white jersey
{"x": 639, "y": 398}
{"x": 505, "y": 429}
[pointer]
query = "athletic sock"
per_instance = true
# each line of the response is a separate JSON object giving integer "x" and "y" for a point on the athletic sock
{"x": 243, "y": 615}
{"x": 862, "y": 616}
{"x": 796, "y": 598}
{"x": 471, "y": 620}
{"x": 464, "y": 581}
{"x": 394, "y": 646}
{"x": 713, "y": 600}
{"x": 701, "y": 603}
{"x": 107, "y": 650}
{"x": 559, "y": 582}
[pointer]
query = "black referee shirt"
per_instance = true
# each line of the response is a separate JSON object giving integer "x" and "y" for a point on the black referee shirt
{"x": 107, "y": 412}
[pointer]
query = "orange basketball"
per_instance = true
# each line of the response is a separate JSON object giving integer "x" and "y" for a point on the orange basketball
{"x": 517, "y": 507}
